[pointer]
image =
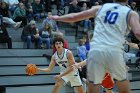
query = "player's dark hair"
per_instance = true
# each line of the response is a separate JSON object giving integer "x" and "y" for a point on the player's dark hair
{"x": 58, "y": 39}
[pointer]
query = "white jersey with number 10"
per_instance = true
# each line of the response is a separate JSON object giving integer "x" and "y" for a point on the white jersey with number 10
{"x": 111, "y": 26}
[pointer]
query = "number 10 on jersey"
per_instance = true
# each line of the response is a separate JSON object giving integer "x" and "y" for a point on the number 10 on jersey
{"x": 111, "y": 17}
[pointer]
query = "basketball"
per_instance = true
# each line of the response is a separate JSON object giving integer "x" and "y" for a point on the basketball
{"x": 31, "y": 69}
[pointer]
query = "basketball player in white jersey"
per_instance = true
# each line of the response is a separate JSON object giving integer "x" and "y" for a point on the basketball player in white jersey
{"x": 64, "y": 58}
{"x": 106, "y": 54}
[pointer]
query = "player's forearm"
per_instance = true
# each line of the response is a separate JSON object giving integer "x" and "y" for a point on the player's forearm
{"x": 67, "y": 18}
{"x": 44, "y": 69}
{"x": 133, "y": 45}
{"x": 70, "y": 69}
{"x": 83, "y": 63}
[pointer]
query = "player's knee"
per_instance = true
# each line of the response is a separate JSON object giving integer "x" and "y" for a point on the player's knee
{"x": 57, "y": 85}
{"x": 124, "y": 91}
{"x": 123, "y": 86}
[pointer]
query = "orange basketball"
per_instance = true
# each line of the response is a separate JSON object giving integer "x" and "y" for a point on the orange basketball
{"x": 31, "y": 69}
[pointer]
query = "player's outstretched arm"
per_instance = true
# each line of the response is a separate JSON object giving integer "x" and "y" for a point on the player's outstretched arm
{"x": 134, "y": 23}
{"x": 74, "y": 17}
{"x": 134, "y": 45}
{"x": 80, "y": 64}
{"x": 51, "y": 66}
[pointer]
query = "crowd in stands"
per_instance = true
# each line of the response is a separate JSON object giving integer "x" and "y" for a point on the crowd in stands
{"x": 26, "y": 13}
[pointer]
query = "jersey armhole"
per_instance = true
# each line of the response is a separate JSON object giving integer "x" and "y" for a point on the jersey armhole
{"x": 67, "y": 53}
{"x": 53, "y": 56}
{"x": 99, "y": 10}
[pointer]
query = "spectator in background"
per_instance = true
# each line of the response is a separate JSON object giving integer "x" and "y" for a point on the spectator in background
{"x": 51, "y": 22}
{"x": 97, "y": 3}
{"x": 29, "y": 12}
{"x": 44, "y": 33}
{"x": 86, "y": 40}
{"x": 28, "y": 8}
{"x": 4, "y": 37}
{"x": 74, "y": 8}
{"x": 133, "y": 6}
{"x": 31, "y": 34}
{"x": 38, "y": 10}
{"x": 47, "y": 5}
{"x": 20, "y": 14}
{"x": 25, "y": 2}
{"x": 4, "y": 11}
{"x": 130, "y": 1}
{"x": 12, "y": 5}
{"x": 81, "y": 50}
{"x": 86, "y": 23}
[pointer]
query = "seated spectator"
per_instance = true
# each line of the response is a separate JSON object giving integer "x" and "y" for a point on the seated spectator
{"x": 6, "y": 18}
{"x": 44, "y": 33}
{"x": 38, "y": 10}
{"x": 74, "y": 8}
{"x": 31, "y": 34}
{"x": 60, "y": 3}
{"x": 86, "y": 23}
{"x": 29, "y": 12}
{"x": 4, "y": 37}
{"x": 133, "y": 6}
{"x": 20, "y": 14}
{"x": 51, "y": 22}
{"x": 81, "y": 50}
{"x": 48, "y": 5}
{"x": 12, "y": 5}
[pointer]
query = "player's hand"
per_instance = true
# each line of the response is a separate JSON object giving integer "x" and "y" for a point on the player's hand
{"x": 57, "y": 78}
{"x": 76, "y": 65}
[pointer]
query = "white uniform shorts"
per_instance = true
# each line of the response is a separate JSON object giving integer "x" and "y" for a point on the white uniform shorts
{"x": 73, "y": 79}
{"x": 102, "y": 60}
